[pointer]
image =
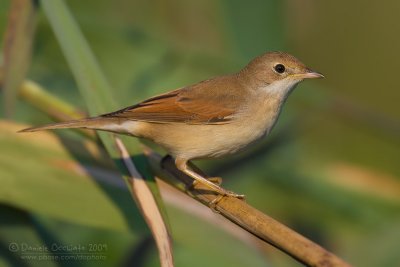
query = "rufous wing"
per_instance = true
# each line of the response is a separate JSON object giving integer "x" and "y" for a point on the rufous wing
{"x": 186, "y": 105}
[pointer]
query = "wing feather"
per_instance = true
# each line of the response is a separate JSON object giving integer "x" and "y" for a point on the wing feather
{"x": 198, "y": 104}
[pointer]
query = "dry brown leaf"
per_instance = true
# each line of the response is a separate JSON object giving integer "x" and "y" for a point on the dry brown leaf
{"x": 146, "y": 202}
{"x": 364, "y": 180}
{"x": 17, "y": 48}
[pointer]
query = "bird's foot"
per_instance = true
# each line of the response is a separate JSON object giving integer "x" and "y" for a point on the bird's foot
{"x": 214, "y": 180}
{"x": 213, "y": 204}
{"x": 217, "y": 181}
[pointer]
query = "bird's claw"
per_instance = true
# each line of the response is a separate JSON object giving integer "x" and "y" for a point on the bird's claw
{"x": 215, "y": 180}
{"x": 213, "y": 203}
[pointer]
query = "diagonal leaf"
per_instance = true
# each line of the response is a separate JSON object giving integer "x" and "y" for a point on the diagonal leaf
{"x": 17, "y": 49}
{"x": 98, "y": 97}
{"x": 56, "y": 185}
{"x": 51, "y": 105}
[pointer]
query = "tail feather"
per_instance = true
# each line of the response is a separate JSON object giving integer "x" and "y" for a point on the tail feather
{"x": 89, "y": 123}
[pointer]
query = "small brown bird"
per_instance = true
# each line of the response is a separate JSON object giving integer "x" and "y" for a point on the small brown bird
{"x": 209, "y": 119}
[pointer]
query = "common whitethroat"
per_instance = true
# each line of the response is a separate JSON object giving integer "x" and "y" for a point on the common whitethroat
{"x": 211, "y": 118}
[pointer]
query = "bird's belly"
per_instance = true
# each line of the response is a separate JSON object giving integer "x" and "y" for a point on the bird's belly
{"x": 234, "y": 141}
{"x": 205, "y": 141}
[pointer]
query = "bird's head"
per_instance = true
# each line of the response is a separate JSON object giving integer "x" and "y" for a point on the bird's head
{"x": 276, "y": 73}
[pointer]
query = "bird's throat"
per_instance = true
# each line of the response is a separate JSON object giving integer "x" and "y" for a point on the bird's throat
{"x": 280, "y": 89}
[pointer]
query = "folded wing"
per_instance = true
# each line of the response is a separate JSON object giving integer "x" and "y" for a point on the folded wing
{"x": 199, "y": 104}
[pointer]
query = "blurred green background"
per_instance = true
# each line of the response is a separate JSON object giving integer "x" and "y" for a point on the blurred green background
{"x": 330, "y": 168}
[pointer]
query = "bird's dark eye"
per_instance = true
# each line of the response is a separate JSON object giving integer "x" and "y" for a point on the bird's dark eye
{"x": 279, "y": 68}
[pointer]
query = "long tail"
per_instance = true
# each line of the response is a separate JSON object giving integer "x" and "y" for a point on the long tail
{"x": 89, "y": 123}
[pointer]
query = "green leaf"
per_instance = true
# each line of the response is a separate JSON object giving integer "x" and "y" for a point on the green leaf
{"x": 38, "y": 174}
{"x": 17, "y": 231}
{"x": 99, "y": 99}
{"x": 91, "y": 81}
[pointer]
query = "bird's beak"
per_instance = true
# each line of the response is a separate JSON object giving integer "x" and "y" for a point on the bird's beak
{"x": 310, "y": 74}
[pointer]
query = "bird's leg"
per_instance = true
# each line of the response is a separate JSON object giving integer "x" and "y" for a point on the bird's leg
{"x": 214, "y": 180}
{"x": 182, "y": 166}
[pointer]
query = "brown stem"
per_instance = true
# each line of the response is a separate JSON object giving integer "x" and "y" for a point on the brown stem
{"x": 247, "y": 217}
